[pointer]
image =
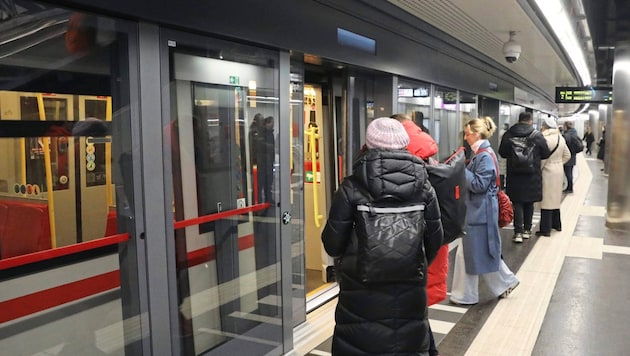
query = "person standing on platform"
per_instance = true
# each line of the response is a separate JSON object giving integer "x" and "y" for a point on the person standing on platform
{"x": 575, "y": 146}
{"x": 552, "y": 178}
{"x": 523, "y": 147}
{"x": 589, "y": 138}
{"x": 422, "y": 145}
{"x": 479, "y": 253}
{"x": 374, "y": 317}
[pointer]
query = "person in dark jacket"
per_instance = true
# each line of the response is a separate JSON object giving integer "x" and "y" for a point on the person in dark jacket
{"x": 589, "y": 138}
{"x": 571, "y": 137}
{"x": 392, "y": 318}
{"x": 524, "y": 188}
{"x": 601, "y": 144}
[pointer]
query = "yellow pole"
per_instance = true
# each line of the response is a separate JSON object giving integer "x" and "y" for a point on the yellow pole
{"x": 23, "y": 161}
{"x": 108, "y": 156}
{"x": 49, "y": 182}
{"x": 313, "y": 136}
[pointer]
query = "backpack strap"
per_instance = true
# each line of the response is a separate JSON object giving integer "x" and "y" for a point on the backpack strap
{"x": 555, "y": 148}
{"x": 496, "y": 165}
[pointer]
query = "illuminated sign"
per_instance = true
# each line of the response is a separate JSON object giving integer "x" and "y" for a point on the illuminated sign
{"x": 421, "y": 92}
{"x": 405, "y": 93}
{"x": 584, "y": 95}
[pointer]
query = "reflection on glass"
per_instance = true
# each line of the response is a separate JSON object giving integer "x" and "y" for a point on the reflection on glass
{"x": 60, "y": 154}
{"x": 447, "y": 132}
{"x": 414, "y": 100}
{"x": 226, "y": 173}
{"x": 298, "y": 275}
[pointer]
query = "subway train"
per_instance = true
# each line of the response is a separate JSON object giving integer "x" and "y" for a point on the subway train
{"x": 166, "y": 175}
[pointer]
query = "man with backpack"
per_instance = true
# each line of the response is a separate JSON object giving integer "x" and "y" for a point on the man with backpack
{"x": 575, "y": 146}
{"x": 523, "y": 147}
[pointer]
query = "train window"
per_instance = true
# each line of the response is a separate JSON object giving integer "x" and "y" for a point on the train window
{"x": 64, "y": 202}
{"x": 447, "y": 132}
{"x": 414, "y": 99}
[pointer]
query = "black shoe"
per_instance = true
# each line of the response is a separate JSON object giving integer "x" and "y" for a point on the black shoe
{"x": 567, "y": 191}
{"x": 540, "y": 233}
{"x": 557, "y": 229}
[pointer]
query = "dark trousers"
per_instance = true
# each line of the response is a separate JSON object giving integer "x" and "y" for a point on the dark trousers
{"x": 588, "y": 148}
{"x": 433, "y": 351}
{"x": 523, "y": 214}
{"x": 550, "y": 219}
{"x": 568, "y": 172}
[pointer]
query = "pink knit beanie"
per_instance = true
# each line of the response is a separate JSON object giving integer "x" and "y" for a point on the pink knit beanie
{"x": 386, "y": 133}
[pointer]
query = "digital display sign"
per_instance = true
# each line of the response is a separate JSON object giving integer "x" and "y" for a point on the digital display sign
{"x": 584, "y": 95}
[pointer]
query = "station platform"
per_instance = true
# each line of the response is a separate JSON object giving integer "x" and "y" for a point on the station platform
{"x": 571, "y": 300}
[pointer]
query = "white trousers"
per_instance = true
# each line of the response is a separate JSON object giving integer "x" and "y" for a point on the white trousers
{"x": 465, "y": 289}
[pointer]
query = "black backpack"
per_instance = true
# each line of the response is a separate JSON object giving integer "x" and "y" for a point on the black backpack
{"x": 390, "y": 238}
{"x": 522, "y": 156}
{"x": 574, "y": 143}
{"x": 449, "y": 182}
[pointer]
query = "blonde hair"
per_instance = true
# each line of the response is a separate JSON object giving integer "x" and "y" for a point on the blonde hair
{"x": 485, "y": 127}
{"x": 401, "y": 117}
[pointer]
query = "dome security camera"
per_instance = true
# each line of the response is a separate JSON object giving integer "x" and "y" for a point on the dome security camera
{"x": 511, "y": 49}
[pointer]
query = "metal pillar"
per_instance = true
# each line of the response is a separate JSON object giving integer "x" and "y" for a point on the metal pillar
{"x": 618, "y": 147}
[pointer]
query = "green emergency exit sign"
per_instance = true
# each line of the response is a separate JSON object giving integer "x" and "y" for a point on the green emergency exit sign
{"x": 234, "y": 79}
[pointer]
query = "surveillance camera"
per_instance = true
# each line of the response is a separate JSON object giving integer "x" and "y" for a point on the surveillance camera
{"x": 511, "y": 49}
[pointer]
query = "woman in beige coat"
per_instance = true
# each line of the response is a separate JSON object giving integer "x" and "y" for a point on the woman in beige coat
{"x": 552, "y": 178}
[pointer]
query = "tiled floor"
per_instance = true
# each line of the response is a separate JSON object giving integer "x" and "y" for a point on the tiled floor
{"x": 572, "y": 298}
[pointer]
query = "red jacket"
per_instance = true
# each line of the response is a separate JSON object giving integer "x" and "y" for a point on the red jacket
{"x": 422, "y": 145}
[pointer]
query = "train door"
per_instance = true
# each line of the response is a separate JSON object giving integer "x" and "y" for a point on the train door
{"x": 34, "y": 184}
{"x": 338, "y": 103}
{"x": 322, "y": 112}
{"x": 97, "y": 195}
{"x": 224, "y": 109}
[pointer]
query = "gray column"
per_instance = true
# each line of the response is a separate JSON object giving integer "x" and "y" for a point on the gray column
{"x": 593, "y": 117}
{"x": 618, "y": 147}
{"x": 608, "y": 124}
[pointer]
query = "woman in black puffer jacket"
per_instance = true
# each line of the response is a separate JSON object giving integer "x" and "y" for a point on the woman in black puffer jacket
{"x": 383, "y": 319}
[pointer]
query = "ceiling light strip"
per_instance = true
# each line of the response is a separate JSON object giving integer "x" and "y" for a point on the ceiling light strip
{"x": 557, "y": 17}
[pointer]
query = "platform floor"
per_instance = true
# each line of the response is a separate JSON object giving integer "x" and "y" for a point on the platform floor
{"x": 572, "y": 296}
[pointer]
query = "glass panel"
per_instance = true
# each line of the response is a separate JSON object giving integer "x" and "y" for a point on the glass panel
{"x": 447, "y": 132}
{"x": 298, "y": 277}
{"x": 414, "y": 99}
{"x": 64, "y": 175}
{"x": 225, "y": 165}
{"x": 362, "y": 109}
{"x": 504, "y": 119}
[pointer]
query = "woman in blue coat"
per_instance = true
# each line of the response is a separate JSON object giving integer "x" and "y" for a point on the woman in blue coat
{"x": 479, "y": 253}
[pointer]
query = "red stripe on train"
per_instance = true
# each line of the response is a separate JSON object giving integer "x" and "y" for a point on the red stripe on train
{"x": 66, "y": 293}
{"x": 49, "y": 298}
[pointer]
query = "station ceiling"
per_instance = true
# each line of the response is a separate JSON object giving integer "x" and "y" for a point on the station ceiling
{"x": 485, "y": 25}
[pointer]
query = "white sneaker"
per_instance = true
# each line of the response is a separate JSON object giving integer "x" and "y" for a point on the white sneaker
{"x": 527, "y": 234}
{"x": 518, "y": 237}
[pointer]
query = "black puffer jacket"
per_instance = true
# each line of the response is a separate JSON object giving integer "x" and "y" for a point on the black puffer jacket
{"x": 524, "y": 188}
{"x": 380, "y": 319}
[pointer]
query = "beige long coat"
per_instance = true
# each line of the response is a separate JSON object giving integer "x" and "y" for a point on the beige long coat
{"x": 553, "y": 171}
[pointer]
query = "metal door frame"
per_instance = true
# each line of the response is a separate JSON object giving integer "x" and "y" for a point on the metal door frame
{"x": 164, "y": 318}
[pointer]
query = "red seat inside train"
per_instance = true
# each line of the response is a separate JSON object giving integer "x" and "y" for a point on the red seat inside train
{"x": 24, "y": 228}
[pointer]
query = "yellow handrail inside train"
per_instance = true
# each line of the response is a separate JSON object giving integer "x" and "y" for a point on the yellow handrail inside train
{"x": 49, "y": 182}
{"x": 108, "y": 156}
{"x": 23, "y": 160}
{"x": 313, "y": 136}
